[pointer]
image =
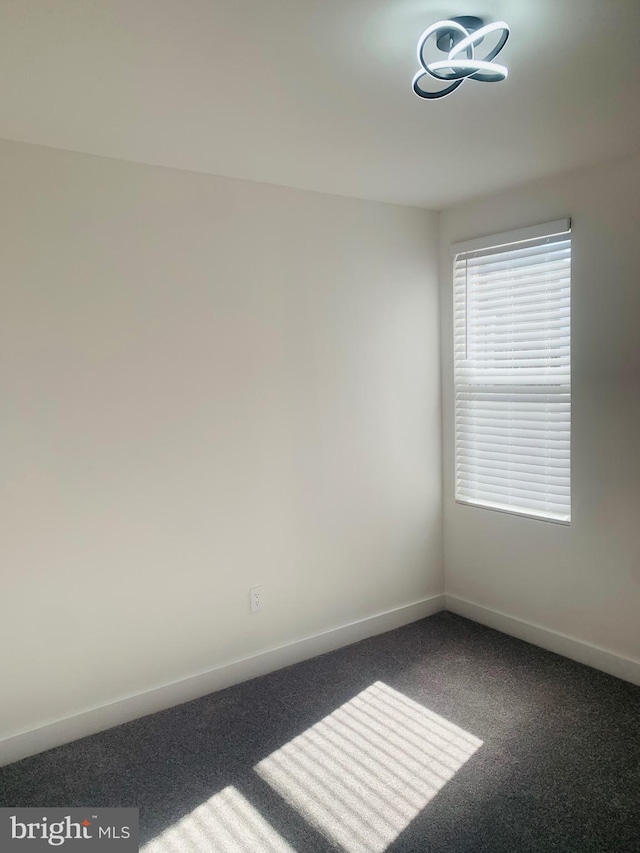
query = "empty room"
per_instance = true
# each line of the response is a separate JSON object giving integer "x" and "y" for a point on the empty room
{"x": 320, "y": 412}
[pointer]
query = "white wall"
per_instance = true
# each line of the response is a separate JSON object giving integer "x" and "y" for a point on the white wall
{"x": 582, "y": 580}
{"x": 206, "y": 384}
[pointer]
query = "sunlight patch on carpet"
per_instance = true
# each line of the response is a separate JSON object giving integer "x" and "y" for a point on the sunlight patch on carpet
{"x": 364, "y": 772}
{"x": 225, "y": 823}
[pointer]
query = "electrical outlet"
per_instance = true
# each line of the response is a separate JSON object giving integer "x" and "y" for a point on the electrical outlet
{"x": 255, "y": 598}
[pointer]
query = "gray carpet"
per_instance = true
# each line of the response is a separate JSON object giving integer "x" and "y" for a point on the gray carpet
{"x": 509, "y": 748}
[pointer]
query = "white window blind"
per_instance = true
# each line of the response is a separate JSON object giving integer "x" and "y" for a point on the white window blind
{"x": 512, "y": 372}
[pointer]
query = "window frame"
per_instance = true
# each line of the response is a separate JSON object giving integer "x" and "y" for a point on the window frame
{"x": 502, "y": 242}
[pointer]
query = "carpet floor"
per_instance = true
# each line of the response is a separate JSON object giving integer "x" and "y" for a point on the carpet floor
{"x": 440, "y": 737}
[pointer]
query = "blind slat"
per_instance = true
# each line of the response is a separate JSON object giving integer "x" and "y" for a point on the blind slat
{"x": 528, "y": 473}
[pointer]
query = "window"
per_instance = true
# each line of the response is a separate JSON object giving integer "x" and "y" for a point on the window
{"x": 512, "y": 371}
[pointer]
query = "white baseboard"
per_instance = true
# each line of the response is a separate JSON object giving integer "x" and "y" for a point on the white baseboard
{"x": 57, "y": 732}
{"x": 614, "y": 664}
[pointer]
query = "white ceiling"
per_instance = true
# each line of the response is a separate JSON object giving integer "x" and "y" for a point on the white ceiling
{"x": 317, "y": 93}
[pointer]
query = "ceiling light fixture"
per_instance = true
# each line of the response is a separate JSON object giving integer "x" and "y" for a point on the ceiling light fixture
{"x": 458, "y": 38}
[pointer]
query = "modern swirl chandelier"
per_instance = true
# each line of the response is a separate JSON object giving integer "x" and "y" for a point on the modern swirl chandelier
{"x": 458, "y": 38}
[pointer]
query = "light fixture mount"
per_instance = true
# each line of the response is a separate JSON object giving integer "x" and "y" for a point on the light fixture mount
{"x": 458, "y": 38}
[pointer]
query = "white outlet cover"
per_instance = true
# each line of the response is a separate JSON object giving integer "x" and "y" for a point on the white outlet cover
{"x": 255, "y": 598}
